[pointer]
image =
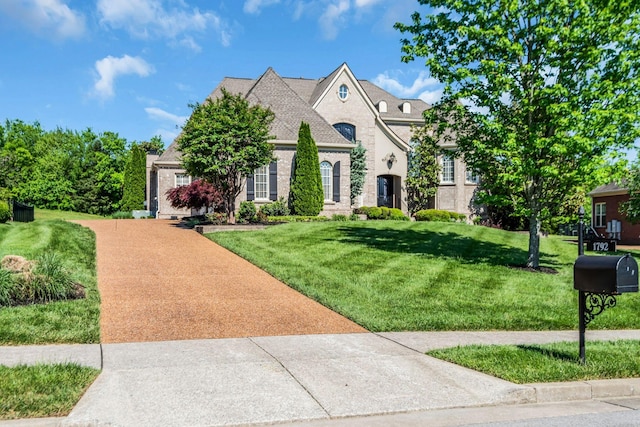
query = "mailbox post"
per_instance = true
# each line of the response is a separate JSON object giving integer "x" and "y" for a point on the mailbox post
{"x": 598, "y": 280}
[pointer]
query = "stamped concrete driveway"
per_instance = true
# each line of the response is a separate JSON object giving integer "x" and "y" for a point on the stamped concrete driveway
{"x": 160, "y": 282}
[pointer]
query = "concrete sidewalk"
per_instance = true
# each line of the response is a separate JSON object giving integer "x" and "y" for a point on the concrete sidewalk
{"x": 348, "y": 379}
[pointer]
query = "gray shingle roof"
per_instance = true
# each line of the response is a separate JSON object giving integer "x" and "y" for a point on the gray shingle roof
{"x": 612, "y": 187}
{"x": 291, "y": 100}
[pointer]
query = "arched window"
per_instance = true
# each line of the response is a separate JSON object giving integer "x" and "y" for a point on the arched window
{"x": 326, "y": 172}
{"x": 347, "y": 130}
{"x": 343, "y": 92}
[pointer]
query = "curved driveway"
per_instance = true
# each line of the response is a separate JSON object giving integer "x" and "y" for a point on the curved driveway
{"x": 159, "y": 282}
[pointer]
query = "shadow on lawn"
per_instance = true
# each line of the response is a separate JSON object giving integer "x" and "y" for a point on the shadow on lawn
{"x": 440, "y": 244}
{"x": 553, "y": 354}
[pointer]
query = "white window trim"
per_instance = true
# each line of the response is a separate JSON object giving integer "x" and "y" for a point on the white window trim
{"x": 600, "y": 215}
{"x": 471, "y": 177}
{"x": 330, "y": 181}
{"x": 175, "y": 179}
{"x": 347, "y": 92}
{"x": 255, "y": 184}
{"x": 453, "y": 169}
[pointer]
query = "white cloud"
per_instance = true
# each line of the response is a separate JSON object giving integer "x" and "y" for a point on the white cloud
{"x": 254, "y": 6}
{"x": 150, "y": 19}
{"x": 333, "y": 18}
{"x": 51, "y": 18}
{"x": 393, "y": 85}
{"x": 110, "y": 68}
{"x": 164, "y": 116}
{"x": 365, "y": 3}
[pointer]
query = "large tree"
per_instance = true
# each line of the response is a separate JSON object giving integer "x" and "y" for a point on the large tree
{"x": 225, "y": 140}
{"x": 537, "y": 93}
{"x": 423, "y": 176}
{"x": 307, "y": 194}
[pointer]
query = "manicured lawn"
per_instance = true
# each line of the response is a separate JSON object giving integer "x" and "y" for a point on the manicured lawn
{"x": 45, "y": 214}
{"x": 42, "y": 390}
{"x": 551, "y": 362}
{"x": 404, "y": 276}
{"x": 73, "y": 321}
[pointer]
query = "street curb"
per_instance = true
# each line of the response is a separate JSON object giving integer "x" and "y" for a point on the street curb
{"x": 585, "y": 390}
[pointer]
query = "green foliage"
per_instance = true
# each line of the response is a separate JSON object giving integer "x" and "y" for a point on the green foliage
{"x": 339, "y": 217}
{"x": 307, "y": 194}
{"x": 217, "y": 218}
{"x": 555, "y": 90}
{"x": 43, "y": 281}
{"x": 155, "y": 145}
{"x": 438, "y": 215}
{"x": 122, "y": 215}
{"x": 423, "y": 176}
{"x": 5, "y": 212}
{"x": 247, "y": 211}
{"x": 277, "y": 208}
{"x": 383, "y": 212}
{"x": 298, "y": 218}
{"x": 135, "y": 177}
{"x": 358, "y": 170}
{"x": 224, "y": 141}
{"x": 632, "y": 208}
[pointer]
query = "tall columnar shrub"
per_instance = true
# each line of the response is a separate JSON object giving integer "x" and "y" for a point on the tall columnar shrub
{"x": 358, "y": 170}
{"x": 133, "y": 195}
{"x": 307, "y": 195}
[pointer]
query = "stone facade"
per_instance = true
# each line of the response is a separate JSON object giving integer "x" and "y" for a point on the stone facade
{"x": 341, "y": 111}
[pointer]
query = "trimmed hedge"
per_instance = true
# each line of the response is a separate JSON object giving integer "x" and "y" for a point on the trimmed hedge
{"x": 297, "y": 218}
{"x": 383, "y": 212}
{"x": 439, "y": 216}
{"x": 5, "y": 212}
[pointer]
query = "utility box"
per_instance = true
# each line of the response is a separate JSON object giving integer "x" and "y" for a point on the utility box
{"x": 605, "y": 274}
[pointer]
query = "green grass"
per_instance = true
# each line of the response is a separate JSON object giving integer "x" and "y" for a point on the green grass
{"x": 47, "y": 214}
{"x": 550, "y": 362}
{"x": 42, "y": 390}
{"x": 75, "y": 321}
{"x": 402, "y": 276}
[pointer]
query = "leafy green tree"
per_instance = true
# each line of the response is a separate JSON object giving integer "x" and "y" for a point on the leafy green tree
{"x": 155, "y": 144}
{"x": 538, "y": 94}
{"x": 17, "y": 151}
{"x": 224, "y": 141}
{"x": 632, "y": 208}
{"x": 135, "y": 176}
{"x": 358, "y": 170}
{"x": 307, "y": 194}
{"x": 423, "y": 176}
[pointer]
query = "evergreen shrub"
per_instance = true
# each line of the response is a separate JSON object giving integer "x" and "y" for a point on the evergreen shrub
{"x": 438, "y": 215}
{"x": 5, "y": 212}
{"x": 247, "y": 211}
{"x": 277, "y": 208}
{"x": 307, "y": 194}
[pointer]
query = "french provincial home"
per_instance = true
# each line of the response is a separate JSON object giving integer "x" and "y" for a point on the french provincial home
{"x": 341, "y": 110}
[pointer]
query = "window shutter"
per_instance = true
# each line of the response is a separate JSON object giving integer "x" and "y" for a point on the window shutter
{"x": 273, "y": 181}
{"x": 336, "y": 182}
{"x": 251, "y": 191}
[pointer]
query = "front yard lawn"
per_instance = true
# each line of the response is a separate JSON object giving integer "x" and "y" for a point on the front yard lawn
{"x": 73, "y": 321}
{"x": 407, "y": 276}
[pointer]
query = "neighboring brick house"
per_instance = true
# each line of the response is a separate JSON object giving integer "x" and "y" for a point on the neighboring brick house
{"x": 605, "y": 204}
{"x": 340, "y": 110}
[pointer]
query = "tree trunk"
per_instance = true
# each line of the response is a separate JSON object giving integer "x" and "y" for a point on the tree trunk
{"x": 230, "y": 208}
{"x": 533, "y": 259}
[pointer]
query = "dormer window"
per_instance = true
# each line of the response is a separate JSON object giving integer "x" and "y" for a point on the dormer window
{"x": 406, "y": 108}
{"x": 343, "y": 92}
{"x": 382, "y": 106}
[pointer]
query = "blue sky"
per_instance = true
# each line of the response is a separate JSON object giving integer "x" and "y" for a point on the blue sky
{"x": 133, "y": 66}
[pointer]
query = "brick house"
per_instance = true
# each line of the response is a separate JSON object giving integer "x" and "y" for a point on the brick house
{"x": 340, "y": 110}
{"x": 606, "y": 217}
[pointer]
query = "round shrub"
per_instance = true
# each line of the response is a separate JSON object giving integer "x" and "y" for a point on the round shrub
{"x": 374, "y": 213}
{"x": 247, "y": 211}
{"x": 396, "y": 214}
{"x": 5, "y": 212}
{"x": 433, "y": 215}
{"x": 277, "y": 208}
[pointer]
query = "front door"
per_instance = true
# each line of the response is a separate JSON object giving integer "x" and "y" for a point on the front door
{"x": 385, "y": 191}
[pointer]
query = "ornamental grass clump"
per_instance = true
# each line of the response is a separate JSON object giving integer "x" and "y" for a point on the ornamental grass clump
{"x": 44, "y": 280}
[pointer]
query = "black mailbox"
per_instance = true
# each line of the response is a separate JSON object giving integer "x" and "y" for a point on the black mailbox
{"x": 605, "y": 274}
